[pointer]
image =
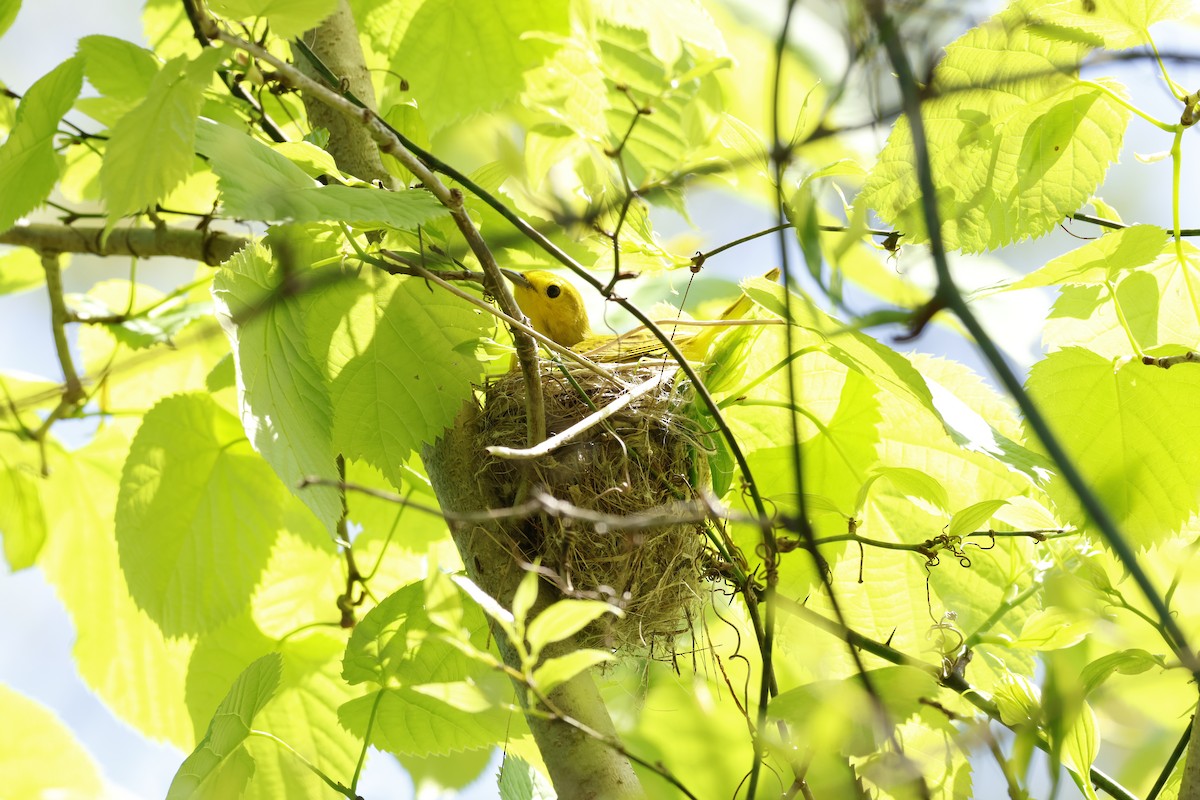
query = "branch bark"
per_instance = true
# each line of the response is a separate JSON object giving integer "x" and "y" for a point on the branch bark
{"x": 336, "y": 43}
{"x": 207, "y": 246}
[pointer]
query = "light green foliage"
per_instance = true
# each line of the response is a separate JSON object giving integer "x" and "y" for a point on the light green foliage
{"x": 286, "y": 408}
{"x": 150, "y": 149}
{"x": 287, "y": 18}
{"x": 1131, "y": 431}
{"x": 21, "y": 270}
{"x": 400, "y": 363}
{"x": 1016, "y": 140}
{"x": 22, "y": 517}
{"x": 220, "y": 766}
{"x": 197, "y": 515}
{"x": 1116, "y": 25}
{"x": 264, "y": 627}
{"x": 493, "y": 47}
{"x": 8, "y": 13}
{"x": 28, "y": 165}
{"x": 262, "y": 183}
{"x": 38, "y": 755}
{"x": 120, "y": 71}
{"x": 426, "y": 695}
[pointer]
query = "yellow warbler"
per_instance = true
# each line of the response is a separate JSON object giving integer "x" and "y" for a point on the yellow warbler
{"x": 556, "y": 309}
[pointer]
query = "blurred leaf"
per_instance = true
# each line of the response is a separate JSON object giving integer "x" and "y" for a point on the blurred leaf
{"x": 39, "y": 757}
{"x": 1125, "y": 662}
{"x": 561, "y": 669}
{"x": 150, "y": 150}
{"x": 287, "y": 18}
{"x": 29, "y": 167}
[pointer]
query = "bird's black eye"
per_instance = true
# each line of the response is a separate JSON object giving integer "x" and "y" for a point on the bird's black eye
{"x": 553, "y": 291}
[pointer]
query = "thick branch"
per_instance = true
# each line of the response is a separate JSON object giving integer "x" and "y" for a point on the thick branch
{"x": 336, "y": 43}
{"x": 210, "y": 247}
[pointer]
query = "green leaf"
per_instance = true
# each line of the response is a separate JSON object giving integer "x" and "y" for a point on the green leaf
{"x": 1126, "y": 662}
{"x": 282, "y": 389}
{"x": 1055, "y": 628}
{"x": 81, "y": 561}
{"x": 21, "y": 270}
{"x": 1100, "y": 260}
{"x": 525, "y": 596}
{"x": 197, "y": 515}
{"x": 564, "y": 619}
{"x": 288, "y": 18}
{"x": 22, "y": 516}
{"x": 118, "y": 68}
{"x": 29, "y": 167}
{"x": 837, "y": 713}
{"x": 518, "y": 780}
{"x": 1080, "y": 747}
{"x": 8, "y": 14}
{"x": 39, "y": 757}
{"x": 220, "y": 767}
{"x": 1017, "y": 141}
{"x": 1132, "y": 431}
{"x": 258, "y": 182}
{"x": 967, "y": 520}
{"x": 493, "y": 47}
{"x": 150, "y": 150}
{"x": 1017, "y": 699}
{"x": 424, "y": 681}
{"x": 1152, "y": 308}
{"x": 401, "y": 361}
{"x": 1118, "y": 25}
{"x": 910, "y": 482}
{"x": 443, "y": 604}
{"x": 560, "y": 669}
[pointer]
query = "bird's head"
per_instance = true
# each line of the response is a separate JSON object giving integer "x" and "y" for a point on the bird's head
{"x": 553, "y": 304}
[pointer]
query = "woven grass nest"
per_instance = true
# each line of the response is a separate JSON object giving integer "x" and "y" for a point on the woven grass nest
{"x": 647, "y": 455}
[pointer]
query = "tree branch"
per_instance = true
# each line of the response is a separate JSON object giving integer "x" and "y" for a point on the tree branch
{"x": 207, "y": 246}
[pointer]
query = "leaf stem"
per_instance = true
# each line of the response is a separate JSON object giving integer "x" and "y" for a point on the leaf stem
{"x": 330, "y": 782}
{"x": 1166, "y": 126}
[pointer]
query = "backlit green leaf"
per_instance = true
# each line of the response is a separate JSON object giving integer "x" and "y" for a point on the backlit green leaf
{"x": 968, "y": 519}
{"x": 563, "y": 619}
{"x": 1131, "y": 431}
{"x": 150, "y": 150}
{"x": 395, "y": 650}
{"x": 197, "y": 515}
{"x": 401, "y": 361}
{"x": 493, "y": 47}
{"x": 1125, "y": 662}
{"x": 1100, "y": 260}
{"x": 561, "y": 669}
{"x": 220, "y": 765}
{"x": 258, "y": 182}
{"x": 1118, "y": 24}
{"x": 287, "y": 18}
{"x": 38, "y": 755}
{"x": 22, "y": 518}
{"x": 1017, "y": 141}
{"x": 29, "y": 167}
{"x": 284, "y": 395}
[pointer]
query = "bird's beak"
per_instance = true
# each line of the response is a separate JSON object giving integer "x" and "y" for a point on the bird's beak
{"x": 517, "y": 278}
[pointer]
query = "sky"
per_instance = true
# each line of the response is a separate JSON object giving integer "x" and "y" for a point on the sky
{"x": 35, "y": 643}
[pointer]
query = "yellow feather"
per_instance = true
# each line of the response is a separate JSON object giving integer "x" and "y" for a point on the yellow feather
{"x": 556, "y": 309}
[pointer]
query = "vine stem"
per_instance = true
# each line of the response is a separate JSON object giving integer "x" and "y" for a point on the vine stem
{"x": 948, "y": 296}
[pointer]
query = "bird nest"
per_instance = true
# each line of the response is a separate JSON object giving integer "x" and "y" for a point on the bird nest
{"x": 643, "y": 458}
